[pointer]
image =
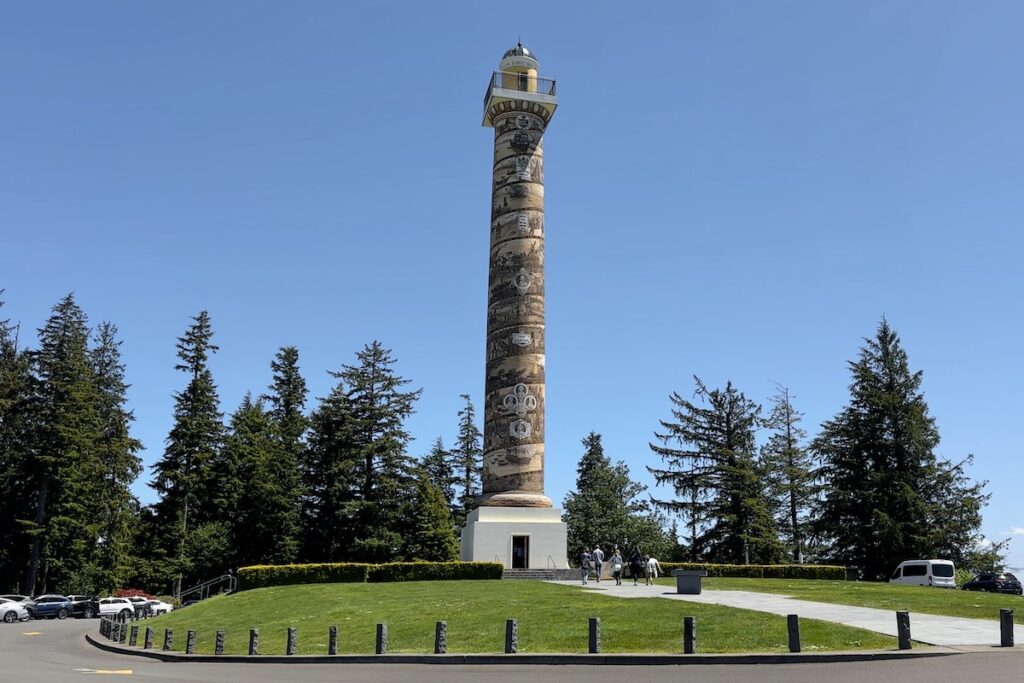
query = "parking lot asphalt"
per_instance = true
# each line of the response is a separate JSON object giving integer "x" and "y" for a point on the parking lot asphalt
{"x": 56, "y": 652}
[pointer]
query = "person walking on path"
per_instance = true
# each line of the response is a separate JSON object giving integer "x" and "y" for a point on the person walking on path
{"x": 651, "y": 569}
{"x": 585, "y": 559}
{"x": 598, "y": 556}
{"x": 617, "y": 566}
{"x": 636, "y": 564}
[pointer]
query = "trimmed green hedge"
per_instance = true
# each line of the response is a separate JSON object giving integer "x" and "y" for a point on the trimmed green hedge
{"x": 435, "y": 571}
{"x": 263, "y": 575}
{"x": 764, "y": 571}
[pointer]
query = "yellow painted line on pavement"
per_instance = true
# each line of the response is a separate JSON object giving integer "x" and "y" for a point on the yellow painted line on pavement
{"x": 109, "y": 672}
{"x": 32, "y": 633}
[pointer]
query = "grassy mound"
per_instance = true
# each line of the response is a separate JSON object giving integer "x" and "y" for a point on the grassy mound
{"x": 894, "y": 597}
{"x": 552, "y": 618}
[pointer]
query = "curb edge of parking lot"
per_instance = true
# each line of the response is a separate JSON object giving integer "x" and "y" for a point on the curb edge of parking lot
{"x": 534, "y": 659}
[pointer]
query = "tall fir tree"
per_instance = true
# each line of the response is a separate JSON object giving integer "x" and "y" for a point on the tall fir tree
{"x": 287, "y": 399}
{"x": 379, "y": 408}
{"x": 329, "y": 481}
{"x": 606, "y": 508}
{"x": 790, "y": 472}
{"x": 888, "y": 497}
{"x": 264, "y": 526}
{"x": 437, "y": 465}
{"x": 17, "y": 427}
{"x": 715, "y": 475}
{"x": 431, "y": 536}
{"x": 184, "y": 476}
{"x": 118, "y": 454}
{"x": 64, "y": 468}
{"x": 468, "y": 456}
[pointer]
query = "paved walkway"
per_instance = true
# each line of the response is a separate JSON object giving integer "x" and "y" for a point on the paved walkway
{"x": 925, "y": 628}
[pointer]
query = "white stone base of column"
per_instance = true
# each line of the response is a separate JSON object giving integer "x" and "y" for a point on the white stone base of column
{"x": 518, "y": 537}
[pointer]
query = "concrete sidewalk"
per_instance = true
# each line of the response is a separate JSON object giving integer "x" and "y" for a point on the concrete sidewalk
{"x": 925, "y": 628}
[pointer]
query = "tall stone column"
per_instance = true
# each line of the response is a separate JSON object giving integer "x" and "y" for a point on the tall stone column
{"x": 513, "y": 522}
{"x": 513, "y": 473}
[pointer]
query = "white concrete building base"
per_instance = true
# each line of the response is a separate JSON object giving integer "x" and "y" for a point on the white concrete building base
{"x": 498, "y": 534}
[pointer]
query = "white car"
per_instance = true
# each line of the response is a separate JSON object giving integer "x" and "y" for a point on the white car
{"x": 12, "y": 611}
{"x": 160, "y": 607}
{"x": 116, "y": 607}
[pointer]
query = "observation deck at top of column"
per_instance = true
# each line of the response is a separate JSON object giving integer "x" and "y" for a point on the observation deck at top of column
{"x": 525, "y": 88}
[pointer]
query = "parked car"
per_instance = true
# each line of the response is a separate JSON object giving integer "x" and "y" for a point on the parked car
{"x": 141, "y": 605}
{"x": 52, "y": 606}
{"x": 28, "y": 602}
{"x": 12, "y": 610}
{"x": 939, "y": 573}
{"x": 160, "y": 607}
{"x": 994, "y": 583}
{"x": 116, "y": 607}
{"x": 84, "y": 606}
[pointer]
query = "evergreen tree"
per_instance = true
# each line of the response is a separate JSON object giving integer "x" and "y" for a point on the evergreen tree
{"x": 379, "y": 408}
{"x": 117, "y": 451}
{"x": 357, "y": 472}
{"x": 716, "y": 477}
{"x": 468, "y": 458}
{"x": 437, "y": 465}
{"x": 606, "y": 508}
{"x": 264, "y": 522}
{"x": 64, "y": 469}
{"x": 888, "y": 497}
{"x": 184, "y": 476}
{"x": 329, "y": 481}
{"x": 432, "y": 533}
{"x": 17, "y": 412}
{"x": 789, "y": 469}
{"x": 287, "y": 400}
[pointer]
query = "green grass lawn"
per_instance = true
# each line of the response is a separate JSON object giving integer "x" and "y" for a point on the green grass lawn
{"x": 552, "y": 618}
{"x": 882, "y": 595}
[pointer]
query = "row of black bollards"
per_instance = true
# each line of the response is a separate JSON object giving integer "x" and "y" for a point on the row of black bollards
{"x": 120, "y": 632}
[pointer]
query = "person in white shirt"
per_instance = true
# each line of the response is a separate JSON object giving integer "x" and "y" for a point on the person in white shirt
{"x": 651, "y": 570}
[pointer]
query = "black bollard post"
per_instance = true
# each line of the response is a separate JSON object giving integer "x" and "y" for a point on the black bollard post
{"x": 147, "y": 644}
{"x": 254, "y": 641}
{"x": 122, "y": 635}
{"x": 218, "y": 643}
{"x": 793, "y": 622}
{"x": 381, "y": 647}
{"x": 293, "y": 641}
{"x": 440, "y": 638}
{"x": 1006, "y": 627}
{"x": 133, "y": 637}
{"x": 190, "y": 642}
{"x": 903, "y": 629}
{"x": 594, "y": 635}
{"x": 332, "y": 640}
{"x": 168, "y": 639}
{"x": 114, "y": 632}
{"x": 511, "y": 636}
{"x": 689, "y": 635}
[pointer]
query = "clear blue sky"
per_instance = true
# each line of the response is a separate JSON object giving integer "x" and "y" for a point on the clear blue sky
{"x": 734, "y": 190}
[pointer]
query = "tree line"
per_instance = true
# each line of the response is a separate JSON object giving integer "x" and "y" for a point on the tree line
{"x": 278, "y": 482}
{"x": 273, "y": 483}
{"x": 867, "y": 491}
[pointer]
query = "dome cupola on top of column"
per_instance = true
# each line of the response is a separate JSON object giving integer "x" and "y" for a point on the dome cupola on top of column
{"x": 519, "y": 60}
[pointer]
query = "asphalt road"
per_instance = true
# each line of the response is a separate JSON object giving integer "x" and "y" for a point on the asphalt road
{"x": 58, "y": 653}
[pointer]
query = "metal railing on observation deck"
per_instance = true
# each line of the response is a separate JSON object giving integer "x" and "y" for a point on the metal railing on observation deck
{"x": 507, "y": 80}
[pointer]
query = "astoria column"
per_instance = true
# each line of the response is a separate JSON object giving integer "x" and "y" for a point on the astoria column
{"x": 518, "y": 105}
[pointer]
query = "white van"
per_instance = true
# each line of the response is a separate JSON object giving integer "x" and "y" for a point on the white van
{"x": 940, "y": 573}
